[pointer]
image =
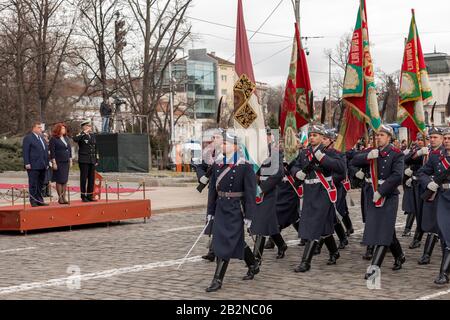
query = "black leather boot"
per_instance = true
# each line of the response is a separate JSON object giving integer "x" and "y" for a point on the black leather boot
{"x": 369, "y": 253}
{"x": 252, "y": 264}
{"x": 378, "y": 257}
{"x": 340, "y": 232}
{"x": 269, "y": 244}
{"x": 408, "y": 225}
{"x": 348, "y": 224}
{"x": 216, "y": 283}
{"x": 445, "y": 269}
{"x": 428, "y": 249}
{"x": 418, "y": 234}
{"x": 318, "y": 248}
{"x": 210, "y": 256}
{"x": 397, "y": 252}
{"x": 281, "y": 245}
{"x": 333, "y": 249}
{"x": 259, "y": 248}
{"x": 305, "y": 265}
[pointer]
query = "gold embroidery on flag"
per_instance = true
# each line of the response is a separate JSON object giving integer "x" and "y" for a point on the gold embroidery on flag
{"x": 243, "y": 90}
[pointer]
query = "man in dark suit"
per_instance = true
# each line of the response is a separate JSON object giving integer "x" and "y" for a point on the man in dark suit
{"x": 87, "y": 160}
{"x": 35, "y": 158}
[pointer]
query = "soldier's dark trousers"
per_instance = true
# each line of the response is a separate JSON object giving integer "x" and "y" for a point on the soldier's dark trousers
{"x": 428, "y": 248}
{"x": 217, "y": 281}
{"x": 87, "y": 176}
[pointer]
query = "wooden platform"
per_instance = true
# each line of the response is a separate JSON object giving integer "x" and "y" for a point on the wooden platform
{"x": 20, "y": 218}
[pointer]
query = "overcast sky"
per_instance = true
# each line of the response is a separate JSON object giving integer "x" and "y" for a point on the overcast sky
{"x": 388, "y": 25}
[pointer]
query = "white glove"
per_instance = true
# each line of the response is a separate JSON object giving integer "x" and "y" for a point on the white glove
{"x": 373, "y": 154}
{"x": 408, "y": 172}
{"x": 301, "y": 175}
{"x": 204, "y": 180}
{"x": 376, "y": 196}
{"x": 359, "y": 175}
{"x": 408, "y": 182}
{"x": 423, "y": 151}
{"x": 319, "y": 155}
{"x": 209, "y": 218}
{"x": 433, "y": 186}
{"x": 247, "y": 223}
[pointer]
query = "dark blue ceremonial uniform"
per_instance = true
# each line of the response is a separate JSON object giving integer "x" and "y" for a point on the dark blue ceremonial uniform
{"x": 318, "y": 212}
{"x": 380, "y": 222}
{"x": 229, "y": 212}
{"x": 339, "y": 178}
{"x": 288, "y": 202}
{"x": 425, "y": 175}
{"x": 270, "y": 174}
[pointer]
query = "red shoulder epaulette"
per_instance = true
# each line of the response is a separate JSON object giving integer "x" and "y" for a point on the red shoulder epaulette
{"x": 397, "y": 150}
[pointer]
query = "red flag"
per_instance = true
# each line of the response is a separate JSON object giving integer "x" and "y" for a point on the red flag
{"x": 248, "y": 113}
{"x": 297, "y": 108}
{"x": 243, "y": 58}
{"x": 415, "y": 88}
{"x": 359, "y": 92}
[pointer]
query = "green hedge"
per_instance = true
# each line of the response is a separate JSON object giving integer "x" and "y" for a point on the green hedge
{"x": 11, "y": 154}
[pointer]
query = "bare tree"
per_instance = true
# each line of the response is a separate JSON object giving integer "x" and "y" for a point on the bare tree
{"x": 96, "y": 48}
{"x": 162, "y": 39}
{"x": 339, "y": 56}
{"x": 388, "y": 87}
{"x": 14, "y": 61}
{"x": 50, "y": 31}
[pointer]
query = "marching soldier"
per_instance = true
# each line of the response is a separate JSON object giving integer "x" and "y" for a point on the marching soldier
{"x": 265, "y": 222}
{"x": 342, "y": 186}
{"x": 314, "y": 167}
{"x": 87, "y": 160}
{"x": 429, "y": 215}
{"x": 232, "y": 203}
{"x": 411, "y": 203}
{"x": 435, "y": 139}
{"x": 288, "y": 204}
{"x": 382, "y": 197}
{"x": 203, "y": 172}
{"x": 442, "y": 164}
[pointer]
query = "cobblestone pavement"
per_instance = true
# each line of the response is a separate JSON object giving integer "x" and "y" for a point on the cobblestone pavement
{"x": 136, "y": 260}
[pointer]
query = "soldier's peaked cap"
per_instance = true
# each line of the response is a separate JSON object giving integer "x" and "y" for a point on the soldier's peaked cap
{"x": 434, "y": 130}
{"x": 386, "y": 129}
{"x": 230, "y": 136}
{"x": 316, "y": 128}
{"x": 446, "y": 131}
{"x": 330, "y": 134}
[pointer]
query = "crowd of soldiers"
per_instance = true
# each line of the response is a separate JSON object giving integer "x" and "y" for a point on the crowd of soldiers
{"x": 309, "y": 194}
